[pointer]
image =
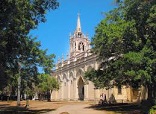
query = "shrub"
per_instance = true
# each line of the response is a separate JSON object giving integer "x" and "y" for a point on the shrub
{"x": 153, "y": 110}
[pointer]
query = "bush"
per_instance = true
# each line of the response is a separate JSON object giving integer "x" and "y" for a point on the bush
{"x": 152, "y": 110}
{"x": 4, "y": 97}
{"x": 154, "y": 101}
{"x": 145, "y": 106}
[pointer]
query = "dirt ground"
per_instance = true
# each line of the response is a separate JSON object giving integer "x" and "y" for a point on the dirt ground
{"x": 35, "y": 107}
{"x": 79, "y": 109}
{"x": 38, "y": 107}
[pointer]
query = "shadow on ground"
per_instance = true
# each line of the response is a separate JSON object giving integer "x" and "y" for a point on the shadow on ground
{"x": 22, "y": 110}
{"x": 119, "y": 108}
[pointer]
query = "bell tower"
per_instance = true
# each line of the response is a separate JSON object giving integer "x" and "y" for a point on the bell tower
{"x": 78, "y": 41}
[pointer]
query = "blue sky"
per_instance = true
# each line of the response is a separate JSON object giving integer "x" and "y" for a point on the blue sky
{"x": 54, "y": 33}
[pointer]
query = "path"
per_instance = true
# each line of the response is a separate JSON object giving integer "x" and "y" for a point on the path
{"x": 77, "y": 109}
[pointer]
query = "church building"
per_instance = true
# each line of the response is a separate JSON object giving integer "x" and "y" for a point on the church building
{"x": 70, "y": 74}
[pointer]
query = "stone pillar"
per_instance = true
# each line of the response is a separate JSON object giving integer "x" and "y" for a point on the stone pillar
{"x": 53, "y": 95}
{"x": 129, "y": 94}
{"x": 96, "y": 95}
{"x": 96, "y": 66}
{"x": 144, "y": 92}
{"x": 68, "y": 89}
{"x": 75, "y": 89}
{"x": 61, "y": 92}
{"x": 86, "y": 92}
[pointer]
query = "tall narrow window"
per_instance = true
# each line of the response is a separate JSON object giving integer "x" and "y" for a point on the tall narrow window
{"x": 83, "y": 47}
{"x": 75, "y": 45}
{"x": 119, "y": 89}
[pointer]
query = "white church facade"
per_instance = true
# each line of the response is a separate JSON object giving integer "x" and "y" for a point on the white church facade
{"x": 70, "y": 74}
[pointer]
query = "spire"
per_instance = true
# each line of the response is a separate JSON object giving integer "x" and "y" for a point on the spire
{"x": 78, "y": 28}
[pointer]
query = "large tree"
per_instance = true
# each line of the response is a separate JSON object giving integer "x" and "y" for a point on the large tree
{"x": 17, "y": 18}
{"x": 125, "y": 43}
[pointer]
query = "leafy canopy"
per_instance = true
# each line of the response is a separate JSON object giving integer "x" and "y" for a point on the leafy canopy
{"x": 17, "y": 18}
{"x": 126, "y": 46}
{"x": 47, "y": 83}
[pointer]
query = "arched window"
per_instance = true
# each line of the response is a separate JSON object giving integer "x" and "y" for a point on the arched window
{"x": 79, "y": 35}
{"x": 81, "y": 46}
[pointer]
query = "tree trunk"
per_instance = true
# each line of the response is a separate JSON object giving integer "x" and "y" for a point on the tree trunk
{"x": 48, "y": 95}
{"x": 154, "y": 90}
{"x": 150, "y": 96}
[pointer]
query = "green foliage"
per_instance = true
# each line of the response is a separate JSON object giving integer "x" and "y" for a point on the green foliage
{"x": 96, "y": 77}
{"x": 47, "y": 83}
{"x": 17, "y": 18}
{"x": 125, "y": 43}
{"x": 152, "y": 110}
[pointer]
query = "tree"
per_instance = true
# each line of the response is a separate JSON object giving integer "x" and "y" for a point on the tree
{"x": 125, "y": 43}
{"x": 46, "y": 84}
{"x": 17, "y": 18}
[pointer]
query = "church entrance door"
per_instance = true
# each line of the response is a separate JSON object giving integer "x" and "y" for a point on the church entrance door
{"x": 81, "y": 88}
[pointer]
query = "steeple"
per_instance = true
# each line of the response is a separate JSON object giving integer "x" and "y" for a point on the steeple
{"x": 78, "y": 41}
{"x": 78, "y": 28}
